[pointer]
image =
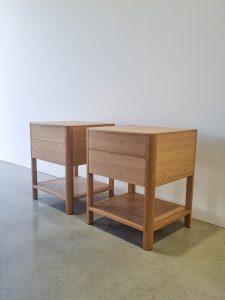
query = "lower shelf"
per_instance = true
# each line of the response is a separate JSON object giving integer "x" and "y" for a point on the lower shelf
{"x": 56, "y": 187}
{"x": 128, "y": 209}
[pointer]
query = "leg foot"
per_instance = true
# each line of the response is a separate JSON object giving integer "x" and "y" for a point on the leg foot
{"x": 69, "y": 207}
{"x": 187, "y": 221}
{"x": 148, "y": 239}
{"x": 35, "y": 193}
{"x": 90, "y": 217}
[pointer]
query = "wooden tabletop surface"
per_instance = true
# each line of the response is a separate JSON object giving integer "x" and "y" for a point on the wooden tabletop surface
{"x": 70, "y": 123}
{"x": 140, "y": 129}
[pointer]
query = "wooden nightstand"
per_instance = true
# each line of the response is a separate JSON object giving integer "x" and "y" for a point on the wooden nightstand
{"x": 144, "y": 156}
{"x": 63, "y": 143}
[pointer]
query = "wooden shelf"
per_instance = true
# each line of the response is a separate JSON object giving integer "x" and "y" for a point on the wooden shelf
{"x": 129, "y": 210}
{"x": 56, "y": 187}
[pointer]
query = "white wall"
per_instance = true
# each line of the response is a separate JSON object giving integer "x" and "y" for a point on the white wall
{"x": 136, "y": 62}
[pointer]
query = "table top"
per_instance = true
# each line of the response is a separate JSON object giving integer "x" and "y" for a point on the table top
{"x": 136, "y": 129}
{"x": 70, "y": 123}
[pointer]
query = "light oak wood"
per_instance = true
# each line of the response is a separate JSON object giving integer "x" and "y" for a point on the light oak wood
{"x": 149, "y": 196}
{"x": 53, "y": 134}
{"x": 79, "y": 143}
{"x": 48, "y": 151}
{"x": 75, "y": 171}
{"x": 34, "y": 177}
{"x": 169, "y": 156}
{"x": 71, "y": 124}
{"x": 188, "y": 200}
{"x": 62, "y": 143}
{"x": 175, "y": 156}
{"x": 122, "y": 167}
{"x": 90, "y": 187}
{"x": 111, "y": 187}
{"x": 57, "y": 187}
{"x": 131, "y": 188}
{"x": 128, "y": 209}
{"x": 126, "y": 144}
{"x": 136, "y": 129}
{"x": 69, "y": 171}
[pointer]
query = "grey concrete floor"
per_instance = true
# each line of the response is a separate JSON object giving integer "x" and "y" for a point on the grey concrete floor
{"x": 45, "y": 254}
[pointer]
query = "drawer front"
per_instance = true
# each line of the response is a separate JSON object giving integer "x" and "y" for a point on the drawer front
{"x": 175, "y": 156}
{"x": 54, "y": 134}
{"x": 122, "y": 167}
{"x": 48, "y": 151}
{"x": 126, "y": 144}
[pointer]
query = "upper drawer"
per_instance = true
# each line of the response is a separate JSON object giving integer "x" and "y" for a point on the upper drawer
{"x": 54, "y": 134}
{"x": 126, "y": 144}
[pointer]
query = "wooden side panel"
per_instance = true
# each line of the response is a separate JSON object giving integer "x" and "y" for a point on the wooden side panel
{"x": 175, "y": 156}
{"x": 125, "y": 168}
{"x": 54, "y": 134}
{"x": 79, "y": 145}
{"x": 48, "y": 151}
{"x": 127, "y": 144}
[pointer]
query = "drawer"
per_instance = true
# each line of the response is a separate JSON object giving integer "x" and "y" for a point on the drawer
{"x": 54, "y": 134}
{"x": 48, "y": 151}
{"x": 126, "y": 144}
{"x": 125, "y": 168}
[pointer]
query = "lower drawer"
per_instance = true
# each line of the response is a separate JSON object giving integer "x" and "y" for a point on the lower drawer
{"x": 48, "y": 151}
{"x": 122, "y": 167}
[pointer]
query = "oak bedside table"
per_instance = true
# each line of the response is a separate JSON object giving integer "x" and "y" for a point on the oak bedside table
{"x": 63, "y": 143}
{"x": 144, "y": 156}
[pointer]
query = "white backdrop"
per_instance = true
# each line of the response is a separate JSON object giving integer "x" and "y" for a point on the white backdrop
{"x": 131, "y": 62}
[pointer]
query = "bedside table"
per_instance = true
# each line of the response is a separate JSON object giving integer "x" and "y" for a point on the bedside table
{"x": 63, "y": 143}
{"x": 144, "y": 156}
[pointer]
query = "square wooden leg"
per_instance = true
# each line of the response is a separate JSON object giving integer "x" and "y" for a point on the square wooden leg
{"x": 111, "y": 187}
{"x": 188, "y": 202}
{"x": 148, "y": 239}
{"x": 131, "y": 188}
{"x": 75, "y": 171}
{"x": 34, "y": 177}
{"x": 69, "y": 190}
{"x": 69, "y": 172}
{"x": 89, "y": 198}
{"x": 149, "y": 198}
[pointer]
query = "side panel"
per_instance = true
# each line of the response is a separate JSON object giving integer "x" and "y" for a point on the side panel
{"x": 175, "y": 156}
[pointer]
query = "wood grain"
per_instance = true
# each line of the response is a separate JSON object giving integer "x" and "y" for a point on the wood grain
{"x": 69, "y": 171}
{"x": 57, "y": 187}
{"x": 175, "y": 156}
{"x": 126, "y": 144}
{"x": 149, "y": 197}
{"x": 53, "y": 134}
{"x": 137, "y": 129}
{"x": 128, "y": 209}
{"x": 188, "y": 200}
{"x": 125, "y": 168}
{"x": 48, "y": 151}
{"x": 34, "y": 177}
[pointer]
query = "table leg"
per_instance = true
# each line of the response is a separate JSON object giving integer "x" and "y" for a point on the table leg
{"x": 149, "y": 197}
{"x": 75, "y": 171}
{"x": 69, "y": 172}
{"x": 34, "y": 177}
{"x": 89, "y": 198}
{"x": 188, "y": 201}
{"x": 111, "y": 187}
{"x": 131, "y": 188}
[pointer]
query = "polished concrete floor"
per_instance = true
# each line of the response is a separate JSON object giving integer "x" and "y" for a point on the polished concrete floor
{"x": 45, "y": 254}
